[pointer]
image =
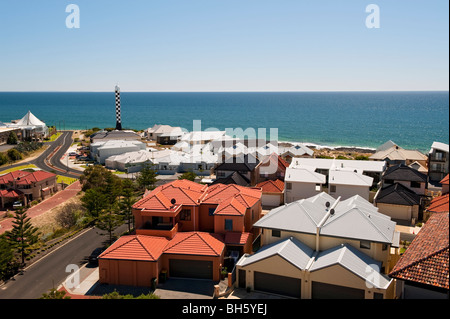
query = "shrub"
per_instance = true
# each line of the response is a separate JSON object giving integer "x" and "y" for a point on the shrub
{"x": 14, "y": 154}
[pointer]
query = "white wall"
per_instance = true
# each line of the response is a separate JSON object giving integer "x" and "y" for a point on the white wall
{"x": 300, "y": 191}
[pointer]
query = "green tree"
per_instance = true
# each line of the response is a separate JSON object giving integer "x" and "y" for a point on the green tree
{"x": 12, "y": 138}
{"x": 147, "y": 177}
{"x": 95, "y": 202}
{"x": 110, "y": 221}
{"x": 8, "y": 265}
{"x": 14, "y": 155}
{"x": 55, "y": 294}
{"x": 127, "y": 201}
{"x": 23, "y": 233}
{"x": 3, "y": 159}
{"x": 95, "y": 176}
{"x": 191, "y": 176}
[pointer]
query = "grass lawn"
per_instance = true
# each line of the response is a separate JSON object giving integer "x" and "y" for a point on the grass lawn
{"x": 54, "y": 137}
{"x": 6, "y": 171}
{"x": 65, "y": 180}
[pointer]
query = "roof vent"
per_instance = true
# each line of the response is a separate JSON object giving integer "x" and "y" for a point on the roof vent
{"x": 327, "y": 204}
{"x": 332, "y": 211}
{"x": 173, "y": 201}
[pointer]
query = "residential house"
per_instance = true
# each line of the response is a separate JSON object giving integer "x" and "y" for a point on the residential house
{"x": 245, "y": 165}
{"x": 272, "y": 193}
{"x": 444, "y": 183}
{"x": 438, "y": 161}
{"x": 164, "y": 134}
{"x": 347, "y": 183}
{"x": 402, "y": 192}
{"x": 295, "y": 151}
{"x": 26, "y": 187}
{"x": 439, "y": 204}
{"x": 422, "y": 271}
{"x": 372, "y": 169}
{"x": 189, "y": 229}
{"x": 201, "y": 137}
{"x": 5, "y": 133}
{"x": 102, "y": 150}
{"x": 301, "y": 183}
{"x": 322, "y": 247}
{"x": 104, "y": 136}
{"x": 271, "y": 167}
{"x": 395, "y": 155}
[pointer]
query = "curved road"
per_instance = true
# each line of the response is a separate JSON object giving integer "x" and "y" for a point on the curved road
{"x": 49, "y": 160}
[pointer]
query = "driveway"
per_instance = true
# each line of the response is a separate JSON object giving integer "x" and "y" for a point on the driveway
{"x": 181, "y": 288}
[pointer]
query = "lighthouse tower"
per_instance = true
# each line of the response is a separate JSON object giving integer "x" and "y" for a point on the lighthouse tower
{"x": 118, "y": 115}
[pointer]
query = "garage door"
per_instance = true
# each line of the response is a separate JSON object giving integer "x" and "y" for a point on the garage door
{"x": 200, "y": 269}
{"x": 270, "y": 200}
{"x": 327, "y": 291}
{"x": 280, "y": 285}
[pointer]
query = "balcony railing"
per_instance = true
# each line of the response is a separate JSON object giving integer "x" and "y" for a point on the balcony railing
{"x": 159, "y": 230}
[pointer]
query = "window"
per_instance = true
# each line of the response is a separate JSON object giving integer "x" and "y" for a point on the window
{"x": 318, "y": 187}
{"x": 288, "y": 185}
{"x": 385, "y": 247}
{"x": 228, "y": 224}
{"x": 388, "y": 181}
{"x": 211, "y": 211}
{"x": 364, "y": 244}
{"x": 276, "y": 233}
{"x": 377, "y": 295}
{"x": 185, "y": 214}
{"x": 415, "y": 185}
{"x": 332, "y": 188}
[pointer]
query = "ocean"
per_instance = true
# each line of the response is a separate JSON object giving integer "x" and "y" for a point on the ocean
{"x": 413, "y": 120}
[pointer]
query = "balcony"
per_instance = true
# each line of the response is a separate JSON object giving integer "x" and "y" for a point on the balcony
{"x": 160, "y": 230}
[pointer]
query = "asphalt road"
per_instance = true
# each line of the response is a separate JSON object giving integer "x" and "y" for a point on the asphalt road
{"x": 50, "y": 271}
{"x": 49, "y": 160}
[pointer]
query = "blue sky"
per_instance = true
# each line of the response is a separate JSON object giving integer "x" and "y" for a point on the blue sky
{"x": 224, "y": 45}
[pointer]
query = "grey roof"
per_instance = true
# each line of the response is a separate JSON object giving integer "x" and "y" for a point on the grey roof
{"x": 353, "y": 260}
{"x": 245, "y": 163}
{"x": 116, "y": 135}
{"x": 397, "y": 194}
{"x": 403, "y": 172}
{"x": 354, "y": 218}
{"x": 234, "y": 178}
{"x": 290, "y": 249}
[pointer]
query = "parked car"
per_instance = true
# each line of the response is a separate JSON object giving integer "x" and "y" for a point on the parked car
{"x": 17, "y": 205}
{"x": 93, "y": 257}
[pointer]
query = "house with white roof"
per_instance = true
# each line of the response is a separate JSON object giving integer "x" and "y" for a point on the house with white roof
{"x": 348, "y": 183}
{"x": 302, "y": 183}
{"x": 201, "y": 137}
{"x": 438, "y": 161}
{"x": 323, "y": 247}
{"x": 298, "y": 150}
{"x": 395, "y": 154}
{"x": 100, "y": 151}
{"x": 372, "y": 169}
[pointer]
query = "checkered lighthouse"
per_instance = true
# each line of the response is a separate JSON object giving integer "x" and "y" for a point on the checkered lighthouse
{"x": 118, "y": 115}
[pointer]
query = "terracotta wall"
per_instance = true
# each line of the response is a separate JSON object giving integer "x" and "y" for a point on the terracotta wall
{"x": 127, "y": 272}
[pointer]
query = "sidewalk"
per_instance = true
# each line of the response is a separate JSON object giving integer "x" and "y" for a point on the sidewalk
{"x": 86, "y": 284}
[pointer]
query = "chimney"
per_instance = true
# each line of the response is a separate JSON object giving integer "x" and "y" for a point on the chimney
{"x": 118, "y": 115}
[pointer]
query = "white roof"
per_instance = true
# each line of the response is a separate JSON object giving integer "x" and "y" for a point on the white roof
{"x": 325, "y": 163}
{"x": 344, "y": 177}
{"x": 439, "y": 146}
{"x": 304, "y": 175}
{"x": 203, "y": 135}
{"x": 29, "y": 120}
{"x": 354, "y": 218}
{"x": 353, "y": 260}
{"x": 296, "y": 150}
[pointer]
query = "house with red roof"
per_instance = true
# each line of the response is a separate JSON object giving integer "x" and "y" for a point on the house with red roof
{"x": 183, "y": 229}
{"x": 272, "y": 193}
{"x": 272, "y": 167}
{"x": 422, "y": 272}
{"x": 26, "y": 187}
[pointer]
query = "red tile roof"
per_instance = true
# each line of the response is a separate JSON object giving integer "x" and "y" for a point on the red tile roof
{"x": 218, "y": 193}
{"x": 196, "y": 243}
{"x": 426, "y": 260}
{"x": 136, "y": 247}
{"x": 10, "y": 193}
{"x": 184, "y": 192}
{"x": 231, "y": 206}
{"x": 25, "y": 178}
{"x": 439, "y": 204}
{"x": 275, "y": 160}
{"x": 270, "y": 186}
{"x": 237, "y": 238}
{"x": 445, "y": 180}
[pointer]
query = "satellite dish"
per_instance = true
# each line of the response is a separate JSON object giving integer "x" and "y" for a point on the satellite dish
{"x": 173, "y": 201}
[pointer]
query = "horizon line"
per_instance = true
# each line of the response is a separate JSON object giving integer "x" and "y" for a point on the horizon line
{"x": 250, "y": 91}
